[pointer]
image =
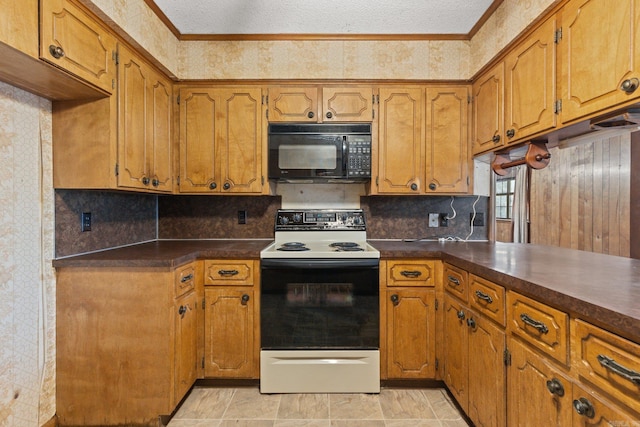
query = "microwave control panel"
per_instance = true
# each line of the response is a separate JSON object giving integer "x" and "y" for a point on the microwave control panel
{"x": 359, "y": 156}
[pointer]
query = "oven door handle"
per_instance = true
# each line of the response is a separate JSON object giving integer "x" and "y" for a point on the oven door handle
{"x": 319, "y": 263}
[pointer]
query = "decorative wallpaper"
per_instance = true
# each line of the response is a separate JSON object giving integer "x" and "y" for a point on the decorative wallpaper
{"x": 27, "y": 281}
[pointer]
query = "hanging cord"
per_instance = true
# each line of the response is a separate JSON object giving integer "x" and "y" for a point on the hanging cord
{"x": 453, "y": 209}
{"x": 473, "y": 218}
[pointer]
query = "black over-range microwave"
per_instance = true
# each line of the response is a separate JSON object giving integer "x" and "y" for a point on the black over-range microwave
{"x": 320, "y": 152}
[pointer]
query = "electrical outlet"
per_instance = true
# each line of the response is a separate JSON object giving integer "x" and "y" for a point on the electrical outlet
{"x": 242, "y": 217}
{"x": 85, "y": 221}
{"x": 444, "y": 220}
{"x": 478, "y": 221}
{"x": 434, "y": 220}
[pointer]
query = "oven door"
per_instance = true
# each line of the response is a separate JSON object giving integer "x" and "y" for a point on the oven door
{"x": 330, "y": 304}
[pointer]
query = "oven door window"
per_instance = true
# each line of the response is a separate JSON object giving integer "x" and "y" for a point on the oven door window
{"x": 320, "y": 308}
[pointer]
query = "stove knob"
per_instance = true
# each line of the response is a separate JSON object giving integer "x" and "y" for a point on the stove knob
{"x": 357, "y": 220}
{"x": 297, "y": 217}
{"x": 284, "y": 220}
{"x": 345, "y": 217}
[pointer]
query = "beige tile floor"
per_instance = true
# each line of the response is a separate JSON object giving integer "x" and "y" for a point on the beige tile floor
{"x": 393, "y": 407}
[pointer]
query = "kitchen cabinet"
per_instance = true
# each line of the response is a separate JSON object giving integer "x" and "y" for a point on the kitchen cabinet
{"x": 232, "y": 340}
{"x": 408, "y": 318}
{"x": 488, "y": 110}
{"x": 447, "y": 140}
{"x": 599, "y": 56}
{"x": 144, "y": 125}
{"x": 530, "y": 83}
{"x": 474, "y": 346}
{"x": 119, "y": 142}
{"x": 72, "y": 39}
{"x": 221, "y": 140}
{"x": 125, "y": 343}
{"x": 422, "y": 141}
{"x": 316, "y": 104}
{"x": 19, "y": 25}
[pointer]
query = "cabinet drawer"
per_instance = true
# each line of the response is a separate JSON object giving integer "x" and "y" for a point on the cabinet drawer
{"x": 456, "y": 282}
{"x": 228, "y": 272}
{"x": 487, "y": 298}
{"x": 607, "y": 361}
{"x": 185, "y": 279}
{"x": 411, "y": 273}
{"x": 545, "y": 328}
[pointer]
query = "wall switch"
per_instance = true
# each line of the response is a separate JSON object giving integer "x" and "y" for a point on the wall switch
{"x": 85, "y": 221}
{"x": 434, "y": 220}
{"x": 242, "y": 217}
{"x": 444, "y": 220}
{"x": 478, "y": 221}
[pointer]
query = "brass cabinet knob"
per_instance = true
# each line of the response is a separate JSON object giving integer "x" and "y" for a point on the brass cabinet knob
{"x": 213, "y": 186}
{"x": 630, "y": 85}
{"x": 56, "y": 51}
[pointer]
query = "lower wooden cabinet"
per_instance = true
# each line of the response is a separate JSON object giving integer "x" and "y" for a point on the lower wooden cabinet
{"x": 125, "y": 344}
{"x": 231, "y": 320}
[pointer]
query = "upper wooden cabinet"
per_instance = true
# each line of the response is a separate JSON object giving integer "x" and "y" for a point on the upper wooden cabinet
{"x": 447, "y": 140}
{"x": 144, "y": 125}
{"x": 221, "y": 140}
{"x": 71, "y": 39}
{"x": 19, "y": 25}
{"x": 488, "y": 110}
{"x": 599, "y": 56}
{"x": 530, "y": 75}
{"x": 314, "y": 104}
{"x": 422, "y": 140}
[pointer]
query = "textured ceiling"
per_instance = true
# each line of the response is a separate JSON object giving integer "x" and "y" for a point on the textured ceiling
{"x": 352, "y": 17}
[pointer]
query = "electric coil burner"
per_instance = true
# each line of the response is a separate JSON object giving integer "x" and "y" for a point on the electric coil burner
{"x": 320, "y": 305}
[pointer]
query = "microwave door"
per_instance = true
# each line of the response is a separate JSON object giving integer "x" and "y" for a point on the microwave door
{"x": 306, "y": 156}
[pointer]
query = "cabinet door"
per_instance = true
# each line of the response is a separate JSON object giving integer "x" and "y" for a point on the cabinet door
{"x": 598, "y": 52}
{"x": 487, "y": 374}
{"x": 456, "y": 350}
{"x": 400, "y": 140}
{"x": 538, "y": 394}
{"x": 160, "y": 110}
{"x": 230, "y": 350}
{"x": 447, "y": 155}
{"x": 19, "y": 25}
{"x": 240, "y": 142}
{"x": 199, "y": 131}
{"x": 347, "y": 104}
{"x": 72, "y": 40}
{"x": 293, "y": 104}
{"x": 530, "y": 85}
{"x": 411, "y": 333}
{"x": 186, "y": 361}
{"x": 488, "y": 110}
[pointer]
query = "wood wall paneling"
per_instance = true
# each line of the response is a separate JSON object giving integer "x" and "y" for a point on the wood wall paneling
{"x": 582, "y": 199}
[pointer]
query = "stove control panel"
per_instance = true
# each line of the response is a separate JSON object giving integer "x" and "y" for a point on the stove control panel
{"x": 320, "y": 219}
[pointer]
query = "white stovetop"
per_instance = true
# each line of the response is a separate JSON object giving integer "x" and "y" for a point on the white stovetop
{"x": 318, "y": 244}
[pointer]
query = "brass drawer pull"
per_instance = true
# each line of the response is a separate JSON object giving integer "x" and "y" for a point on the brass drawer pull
{"x": 408, "y": 273}
{"x": 541, "y": 327}
{"x": 617, "y": 368}
{"x": 228, "y": 272}
{"x": 453, "y": 280}
{"x": 186, "y": 278}
{"x": 484, "y": 296}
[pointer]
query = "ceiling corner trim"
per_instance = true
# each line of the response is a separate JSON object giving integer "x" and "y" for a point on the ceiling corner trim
{"x": 165, "y": 20}
{"x": 484, "y": 18}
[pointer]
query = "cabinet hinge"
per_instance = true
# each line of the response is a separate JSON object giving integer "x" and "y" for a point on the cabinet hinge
{"x": 469, "y": 99}
{"x": 262, "y": 177}
{"x": 113, "y": 83}
{"x": 557, "y": 106}
{"x": 558, "y": 35}
{"x": 507, "y": 357}
{"x": 202, "y": 362}
{"x": 377, "y": 181}
{"x": 178, "y": 99}
{"x": 267, "y": 113}
{"x": 117, "y": 169}
{"x": 436, "y": 305}
{"x": 116, "y": 57}
{"x": 437, "y": 365}
{"x": 203, "y": 303}
{"x": 178, "y": 180}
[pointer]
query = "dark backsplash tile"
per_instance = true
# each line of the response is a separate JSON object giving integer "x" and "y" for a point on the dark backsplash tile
{"x": 213, "y": 217}
{"x": 390, "y": 217}
{"x": 117, "y": 219}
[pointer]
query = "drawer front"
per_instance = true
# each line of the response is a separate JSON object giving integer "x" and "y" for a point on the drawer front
{"x": 545, "y": 328}
{"x": 487, "y": 298}
{"x": 411, "y": 273}
{"x": 235, "y": 272}
{"x": 456, "y": 282}
{"x": 185, "y": 279}
{"x": 607, "y": 361}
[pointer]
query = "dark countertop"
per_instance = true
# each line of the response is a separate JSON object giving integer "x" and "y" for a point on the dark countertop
{"x": 602, "y": 289}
